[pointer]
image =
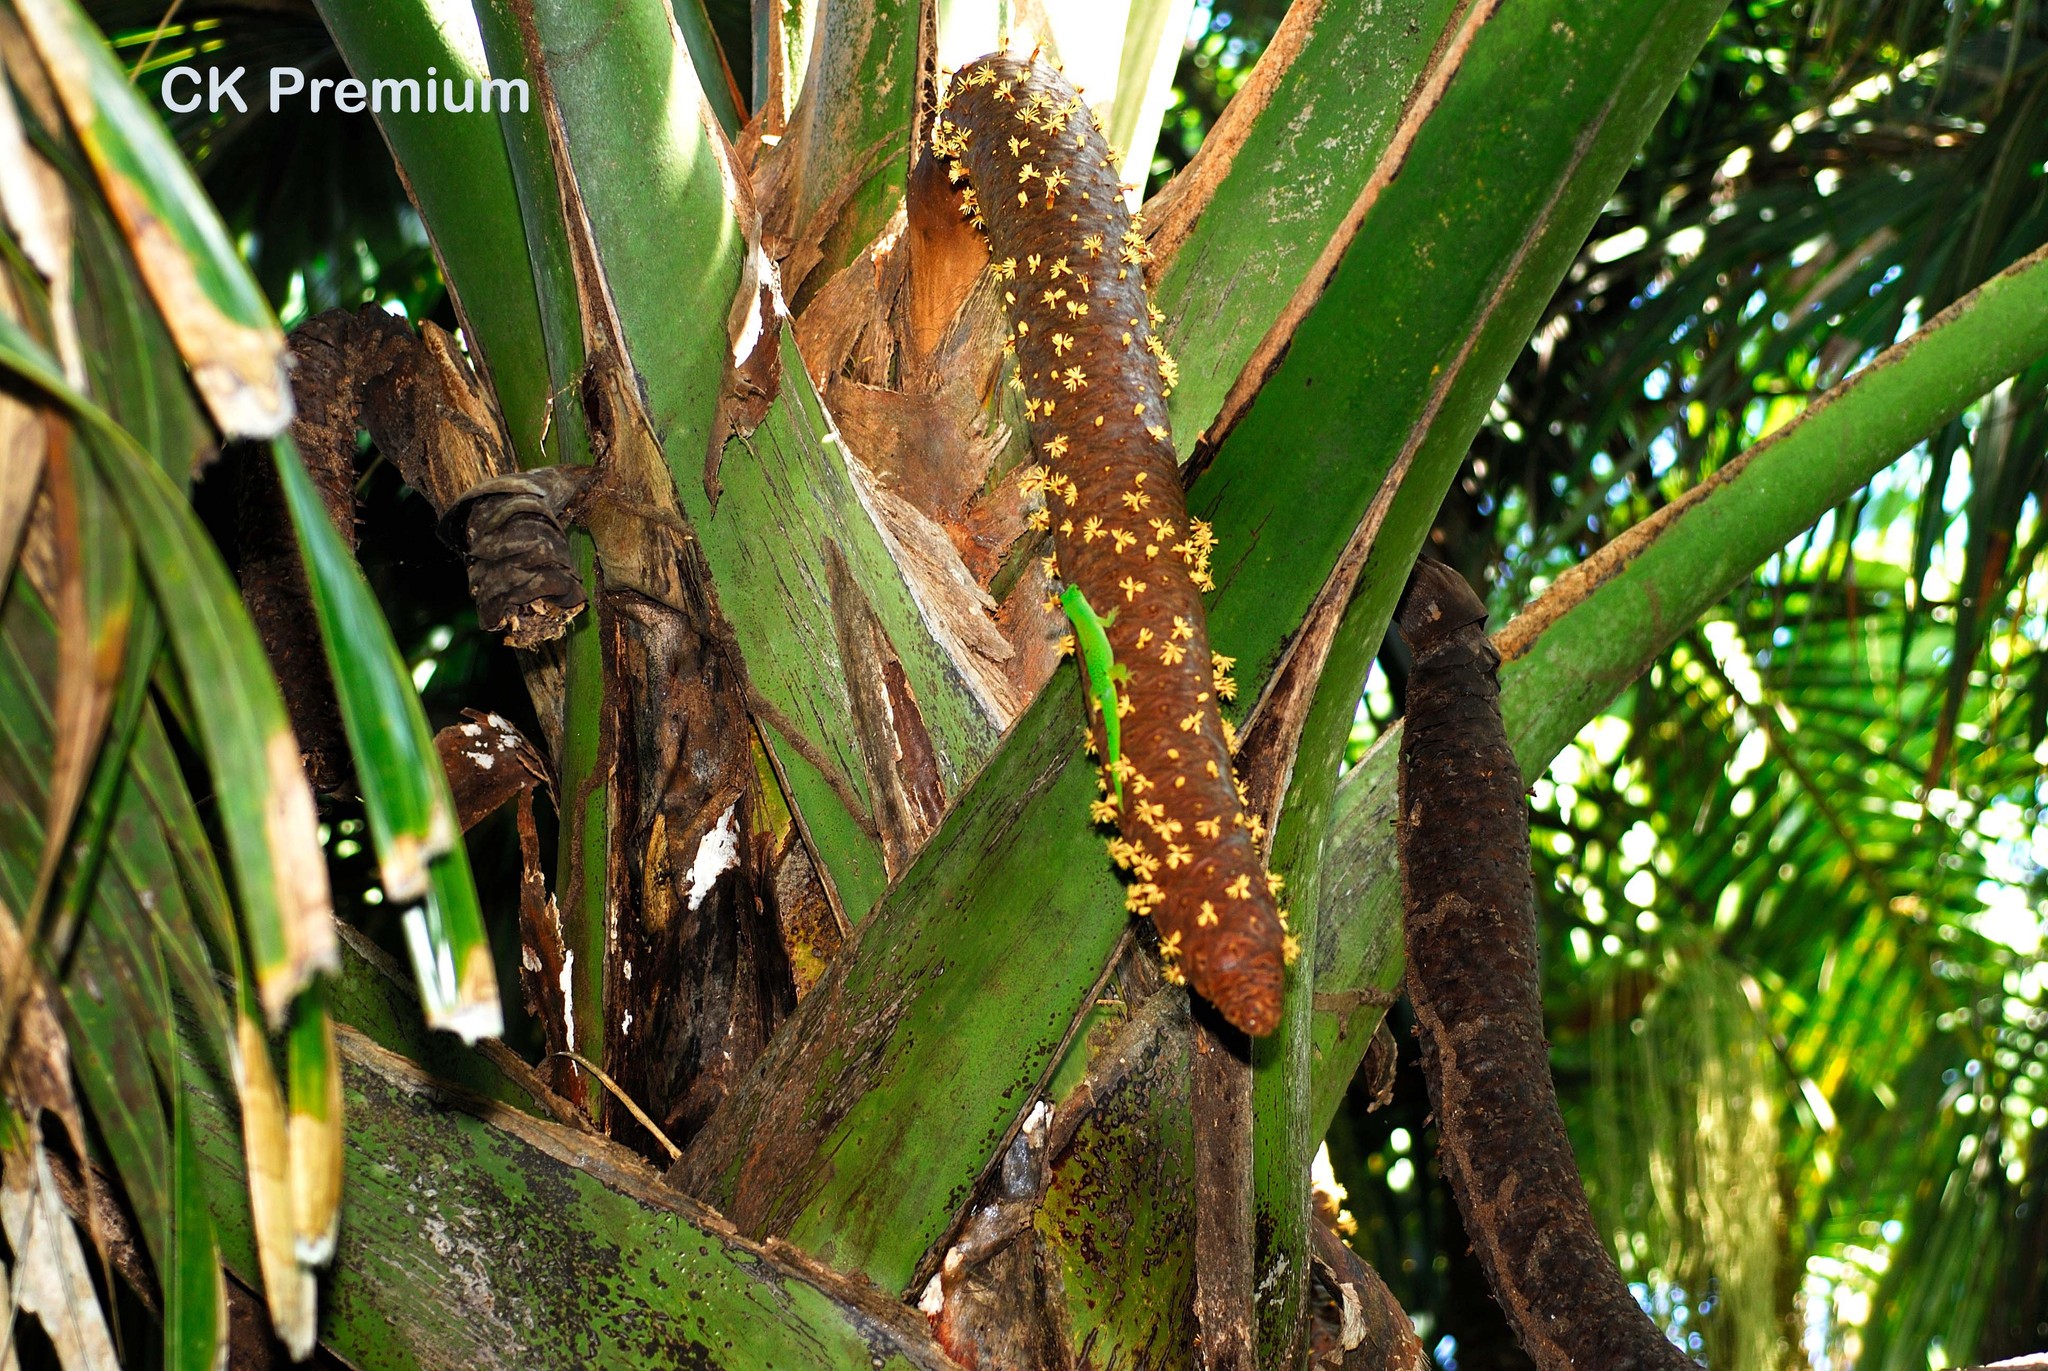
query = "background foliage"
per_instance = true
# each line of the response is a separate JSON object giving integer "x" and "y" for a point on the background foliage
{"x": 1734, "y": 970}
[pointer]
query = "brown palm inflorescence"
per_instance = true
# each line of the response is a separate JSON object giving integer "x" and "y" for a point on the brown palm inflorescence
{"x": 1035, "y": 173}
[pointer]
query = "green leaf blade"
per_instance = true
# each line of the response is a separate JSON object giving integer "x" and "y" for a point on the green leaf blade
{"x": 405, "y": 791}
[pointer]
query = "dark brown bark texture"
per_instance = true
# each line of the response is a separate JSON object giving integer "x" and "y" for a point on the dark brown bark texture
{"x": 696, "y": 978}
{"x": 1355, "y": 1323}
{"x": 334, "y": 355}
{"x": 1470, "y": 917}
{"x": 1226, "y": 1238}
{"x": 273, "y": 585}
{"x": 696, "y": 975}
{"x": 1036, "y": 173}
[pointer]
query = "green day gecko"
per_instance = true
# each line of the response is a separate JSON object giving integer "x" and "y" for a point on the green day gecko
{"x": 1104, "y": 672}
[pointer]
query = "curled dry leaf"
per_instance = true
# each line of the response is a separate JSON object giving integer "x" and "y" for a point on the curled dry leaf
{"x": 1355, "y": 1323}
{"x": 292, "y": 827}
{"x": 51, "y": 1278}
{"x": 288, "y": 1286}
{"x": 511, "y": 531}
{"x": 489, "y": 763}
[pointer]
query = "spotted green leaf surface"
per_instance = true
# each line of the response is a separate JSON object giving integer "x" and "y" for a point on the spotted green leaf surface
{"x": 477, "y": 1238}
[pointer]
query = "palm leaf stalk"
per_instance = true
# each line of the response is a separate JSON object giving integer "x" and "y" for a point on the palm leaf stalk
{"x": 813, "y": 709}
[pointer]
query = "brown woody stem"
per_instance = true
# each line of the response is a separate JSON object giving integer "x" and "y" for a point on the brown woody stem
{"x": 1470, "y": 914}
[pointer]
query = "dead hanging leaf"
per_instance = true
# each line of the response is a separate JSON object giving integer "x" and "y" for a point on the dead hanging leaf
{"x": 34, "y": 201}
{"x": 489, "y": 762}
{"x": 92, "y": 1201}
{"x": 92, "y": 637}
{"x": 1376, "y": 1073}
{"x": 288, "y": 1286}
{"x": 35, "y": 1060}
{"x": 520, "y": 571}
{"x": 51, "y": 1278}
{"x": 299, "y": 865}
{"x": 216, "y": 316}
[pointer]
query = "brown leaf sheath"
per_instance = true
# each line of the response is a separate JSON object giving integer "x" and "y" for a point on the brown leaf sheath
{"x": 1470, "y": 915}
{"x": 1036, "y": 173}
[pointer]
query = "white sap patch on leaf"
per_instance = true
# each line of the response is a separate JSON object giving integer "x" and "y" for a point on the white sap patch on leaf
{"x": 717, "y": 853}
{"x": 568, "y": 1000}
